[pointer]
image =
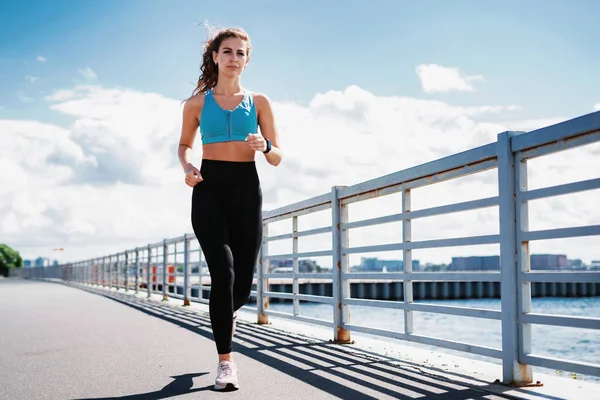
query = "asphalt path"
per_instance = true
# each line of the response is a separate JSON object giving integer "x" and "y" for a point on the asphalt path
{"x": 63, "y": 341}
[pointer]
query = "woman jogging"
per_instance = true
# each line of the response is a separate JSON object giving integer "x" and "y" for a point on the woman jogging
{"x": 226, "y": 212}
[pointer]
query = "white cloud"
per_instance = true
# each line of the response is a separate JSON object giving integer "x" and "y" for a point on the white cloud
{"x": 436, "y": 78}
{"x": 41, "y": 59}
{"x": 24, "y": 98}
{"x": 31, "y": 79}
{"x": 111, "y": 181}
{"x": 597, "y": 106}
{"x": 61, "y": 95}
{"x": 88, "y": 73}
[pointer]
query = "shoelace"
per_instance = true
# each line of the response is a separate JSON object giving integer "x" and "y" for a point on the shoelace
{"x": 225, "y": 368}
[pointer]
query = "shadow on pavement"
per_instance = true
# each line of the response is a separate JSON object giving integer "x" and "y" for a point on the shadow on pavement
{"x": 182, "y": 384}
{"x": 324, "y": 365}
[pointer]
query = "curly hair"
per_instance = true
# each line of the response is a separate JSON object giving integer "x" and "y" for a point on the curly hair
{"x": 209, "y": 72}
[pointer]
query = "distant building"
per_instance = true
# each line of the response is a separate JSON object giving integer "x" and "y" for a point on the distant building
{"x": 431, "y": 267}
{"x": 475, "y": 263}
{"x": 27, "y": 264}
{"x": 374, "y": 264}
{"x": 304, "y": 266}
{"x": 548, "y": 261}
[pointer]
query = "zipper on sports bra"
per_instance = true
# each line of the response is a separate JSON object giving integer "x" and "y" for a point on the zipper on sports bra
{"x": 229, "y": 124}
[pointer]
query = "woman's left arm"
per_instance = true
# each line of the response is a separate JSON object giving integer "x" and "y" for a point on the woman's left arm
{"x": 266, "y": 121}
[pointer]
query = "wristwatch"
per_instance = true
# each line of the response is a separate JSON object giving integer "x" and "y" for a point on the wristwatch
{"x": 268, "y": 146}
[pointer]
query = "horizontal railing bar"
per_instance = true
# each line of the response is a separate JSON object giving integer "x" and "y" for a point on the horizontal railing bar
{"x": 421, "y": 182}
{"x": 458, "y": 311}
{"x": 450, "y": 310}
{"x": 459, "y": 160}
{"x": 561, "y": 131}
{"x": 301, "y": 275}
{"x": 390, "y": 304}
{"x": 560, "y": 233}
{"x": 326, "y": 229}
{"x": 174, "y": 240}
{"x": 299, "y": 213}
{"x": 156, "y": 245}
{"x": 304, "y": 205}
{"x": 321, "y": 253}
{"x": 558, "y": 190}
{"x": 426, "y": 276}
{"x": 279, "y": 295}
{"x": 425, "y": 244}
{"x": 373, "y": 221}
{"x": 457, "y": 207}
{"x": 560, "y": 277}
{"x": 299, "y": 318}
{"x": 461, "y": 172}
{"x": 559, "y": 145}
{"x": 429, "y": 212}
{"x": 449, "y": 344}
{"x": 559, "y": 320}
{"x": 560, "y": 364}
{"x": 303, "y": 297}
{"x": 307, "y": 297}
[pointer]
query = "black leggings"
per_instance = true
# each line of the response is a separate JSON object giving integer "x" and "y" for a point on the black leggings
{"x": 227, "y": 221}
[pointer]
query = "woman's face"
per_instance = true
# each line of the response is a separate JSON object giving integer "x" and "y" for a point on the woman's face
{"x": 232, "y": 57}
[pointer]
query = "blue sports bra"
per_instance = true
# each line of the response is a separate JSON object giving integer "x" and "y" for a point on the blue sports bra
{"x": 219, "y": 125}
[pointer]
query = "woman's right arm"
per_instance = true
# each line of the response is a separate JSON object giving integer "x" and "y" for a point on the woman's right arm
{"x": 189, "y": 127}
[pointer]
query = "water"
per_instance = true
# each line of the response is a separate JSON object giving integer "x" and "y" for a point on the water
{"x": 574, "y": 344}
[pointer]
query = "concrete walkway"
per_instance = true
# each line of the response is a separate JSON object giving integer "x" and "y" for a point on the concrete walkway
{"x": 60, "y": 341}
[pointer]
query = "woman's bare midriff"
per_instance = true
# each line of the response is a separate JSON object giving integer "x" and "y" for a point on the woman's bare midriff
{"x": 228, "y": 151}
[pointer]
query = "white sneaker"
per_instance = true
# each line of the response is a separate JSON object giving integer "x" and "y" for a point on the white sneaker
{"x": 226, "y": 376}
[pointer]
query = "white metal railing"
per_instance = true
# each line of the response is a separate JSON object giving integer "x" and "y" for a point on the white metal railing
{"x": 135, "y": 269}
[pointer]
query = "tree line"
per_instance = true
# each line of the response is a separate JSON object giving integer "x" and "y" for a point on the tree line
{"x": 9, "y": 258}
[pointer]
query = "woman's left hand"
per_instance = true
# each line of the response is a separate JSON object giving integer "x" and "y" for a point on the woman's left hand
{"x": 257, "y": 142}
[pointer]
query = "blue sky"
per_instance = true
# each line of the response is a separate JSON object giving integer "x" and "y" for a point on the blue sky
{"x": 540, "y": 55}
{"x": 330, "y": 68}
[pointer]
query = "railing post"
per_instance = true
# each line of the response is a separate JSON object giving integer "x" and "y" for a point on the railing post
{"x": 137, "y": 270}
{"x": 262, "y": 282}
{"x": 110, "y": 273}
{"x": 164, "y": 271}
{"x": 295, "y": 267}
{"x": 126, "y": 270}
{"x": 407, "y": 291}
{"x": 101, "y": 269}
{"x": 186, "y": 270}
{"x": 513, "y": 372}
{"x": 340, "y": 286}
{"x": 118, "y": 271}
{"x": 149, "y": 273}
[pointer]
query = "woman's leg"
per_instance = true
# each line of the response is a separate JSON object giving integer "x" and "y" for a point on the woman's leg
{"x": 210, "y": 224}
{"x": 246, "y": 238}
{"x": 227, "y": 220}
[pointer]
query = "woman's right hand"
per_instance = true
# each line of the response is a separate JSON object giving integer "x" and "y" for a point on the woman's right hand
{"x": 192, "y": 176}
